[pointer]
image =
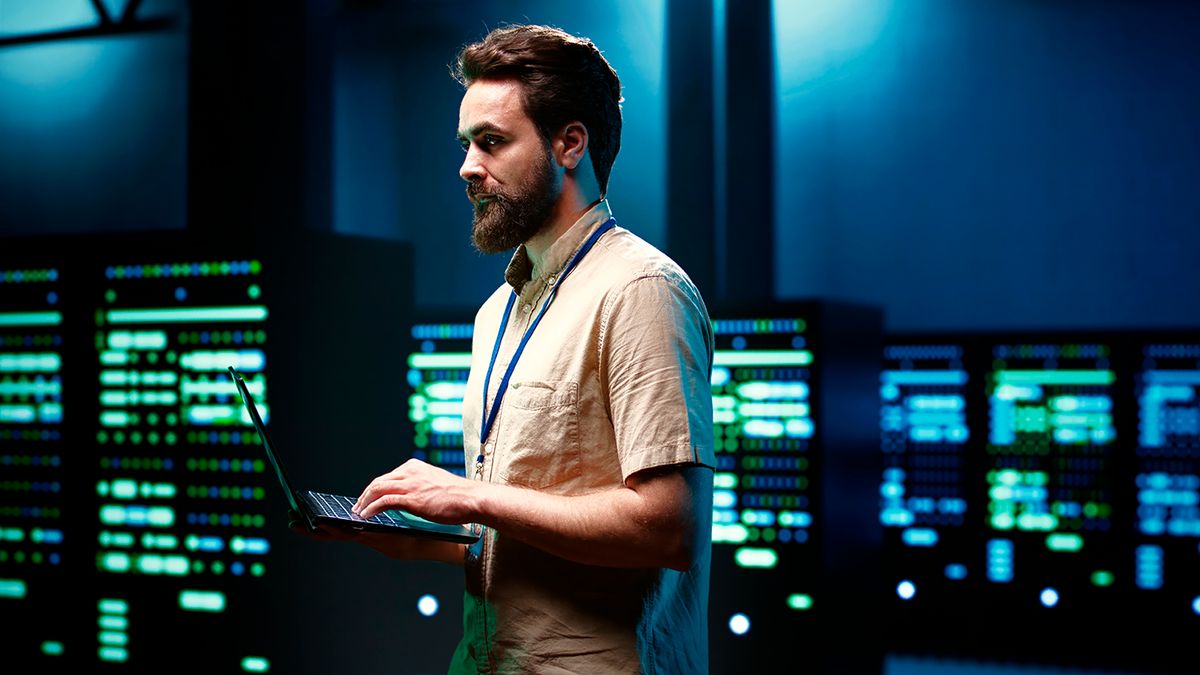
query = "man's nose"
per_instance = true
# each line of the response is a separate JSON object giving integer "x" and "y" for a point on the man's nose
{"x": 471, "y": 169}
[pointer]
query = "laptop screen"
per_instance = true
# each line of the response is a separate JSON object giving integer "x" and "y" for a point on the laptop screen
{"x": 256, "y": 419}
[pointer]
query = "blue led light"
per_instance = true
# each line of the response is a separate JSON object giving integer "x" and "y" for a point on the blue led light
{"x": 739, "y": 624}
{"x": 427, "y": 605}
{"x": 956, "y": 571}
{"x": 1000, "y": 560}
{"x": 1049, "y": 597}
{"x": 1195, "y": 604}
{"x": 906, "y": 590}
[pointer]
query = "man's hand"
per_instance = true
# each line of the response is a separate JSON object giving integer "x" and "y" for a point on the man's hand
{"x": 423, "y": 490}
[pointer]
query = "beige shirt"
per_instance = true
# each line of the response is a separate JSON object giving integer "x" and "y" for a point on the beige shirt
{"x": 614, "y": 380}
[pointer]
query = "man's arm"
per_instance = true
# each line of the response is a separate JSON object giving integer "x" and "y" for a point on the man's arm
{"x": 661, "y": 518}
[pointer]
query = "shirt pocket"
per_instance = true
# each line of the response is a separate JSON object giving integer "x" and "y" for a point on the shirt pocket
{"x": 541, "y": 433}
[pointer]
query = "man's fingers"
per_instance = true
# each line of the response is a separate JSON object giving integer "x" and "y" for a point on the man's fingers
{"x": 377, "y": 487}
{"x": 381, "y": 503}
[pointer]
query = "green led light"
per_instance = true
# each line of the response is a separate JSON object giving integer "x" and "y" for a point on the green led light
{"x": 109, "y": 637}
{"x": 112, "y": 514}
{"x": 435, "y": 361}
{"x": 199, "y": 314}
{"x": 1102, "y": 578}
{"x": 113, "y": 606}
{"x": 12, "y": 588}
{"x": 255, "y": 664}
{"x": 800, "y": 601}
{"x": 115, "y": 418}
{"x": 41, "y": 362}
{"x": 30, "y": 318}
{"x": 773, "y": 410}
{"x": 1057, "y": 377}
{"x": 144, "y": 340}
{"x": 763, "y": 558}
{"x": 109, "y": 622}
{"x": 114, "y": 654}
{"x": 725, "y": 481}
{"x": 257, "y": 569}
{"x": 800, "y": 357}
{"x": 202, "y": 601}
{"x": 53, "y": 648}
{"x": 124, "y": 489}
{"x": 1064, "y": 542}
{"x": 114, "y": 562}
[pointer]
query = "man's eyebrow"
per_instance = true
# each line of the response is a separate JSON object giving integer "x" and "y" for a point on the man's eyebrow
{"x": 478, "y": 129}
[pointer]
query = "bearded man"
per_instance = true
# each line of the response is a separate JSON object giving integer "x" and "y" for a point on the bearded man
{"x": 587, "y": 418}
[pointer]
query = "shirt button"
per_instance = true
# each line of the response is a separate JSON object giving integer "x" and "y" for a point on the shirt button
{"x": 550, "y": 280}
{"x": 526, "y": 308}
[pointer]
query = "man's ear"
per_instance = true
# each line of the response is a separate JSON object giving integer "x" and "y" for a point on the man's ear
{"x": 571, "y": 144}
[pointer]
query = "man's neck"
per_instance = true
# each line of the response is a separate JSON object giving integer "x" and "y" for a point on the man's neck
{"x": 566, "y": 213}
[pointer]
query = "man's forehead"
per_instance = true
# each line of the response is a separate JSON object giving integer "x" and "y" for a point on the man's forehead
{"x": 490, "y": 105}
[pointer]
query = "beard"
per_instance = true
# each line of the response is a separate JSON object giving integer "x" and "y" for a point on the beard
{"x": 512, "y": 217}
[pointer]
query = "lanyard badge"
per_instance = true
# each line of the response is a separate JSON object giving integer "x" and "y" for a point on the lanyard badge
{"x": 489, "y": 416}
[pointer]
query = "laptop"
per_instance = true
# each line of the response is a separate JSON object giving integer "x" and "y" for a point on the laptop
{"x": 320, "y": 508}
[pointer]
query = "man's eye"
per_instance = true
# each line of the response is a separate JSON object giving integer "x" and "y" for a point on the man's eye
{"x": 489, "y": 139}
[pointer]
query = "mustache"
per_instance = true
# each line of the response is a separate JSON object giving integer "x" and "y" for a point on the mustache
{"x": 475, "y": 192}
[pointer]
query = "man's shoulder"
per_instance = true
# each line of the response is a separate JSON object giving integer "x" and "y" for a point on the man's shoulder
{"x": 627, "y": 257}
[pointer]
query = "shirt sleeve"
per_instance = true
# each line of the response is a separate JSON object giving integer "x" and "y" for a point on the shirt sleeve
{"x": 656, "y": 349}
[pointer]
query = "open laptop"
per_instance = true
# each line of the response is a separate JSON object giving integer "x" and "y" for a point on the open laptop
{"x": 320, "y": 508}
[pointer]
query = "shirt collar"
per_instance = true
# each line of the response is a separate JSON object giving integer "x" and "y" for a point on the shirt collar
{"x": 520, "y": 269}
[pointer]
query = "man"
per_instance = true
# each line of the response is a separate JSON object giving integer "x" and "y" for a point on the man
{"x": 589, "y": 457}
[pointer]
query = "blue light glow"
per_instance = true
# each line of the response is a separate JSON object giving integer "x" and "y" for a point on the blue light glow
{"x": 922, "y": 537}
{"x": 1000, "y": 560}
{"x": 1049, "y": 597}
{"x": 1148, "y": 565}
{"x": 427, "y": 605}
{"x": 739, "y": 624}
{"x": 956, "y": 571}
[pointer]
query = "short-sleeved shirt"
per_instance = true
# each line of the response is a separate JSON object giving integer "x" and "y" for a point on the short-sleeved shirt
{"x": 614, "y": 380}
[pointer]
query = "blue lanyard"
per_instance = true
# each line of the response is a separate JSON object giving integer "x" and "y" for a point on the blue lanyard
{"x": 489, "y": 418}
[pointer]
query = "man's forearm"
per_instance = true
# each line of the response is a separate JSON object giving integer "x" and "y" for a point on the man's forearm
{"x": 622, "y": 527}
{"x": 660, "y": 518}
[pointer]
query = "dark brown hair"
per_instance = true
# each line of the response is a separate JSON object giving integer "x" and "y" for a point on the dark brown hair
{"x": 563, "y": 78}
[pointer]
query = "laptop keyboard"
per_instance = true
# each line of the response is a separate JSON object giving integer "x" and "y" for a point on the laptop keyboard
{"x": 338, "y": 506}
